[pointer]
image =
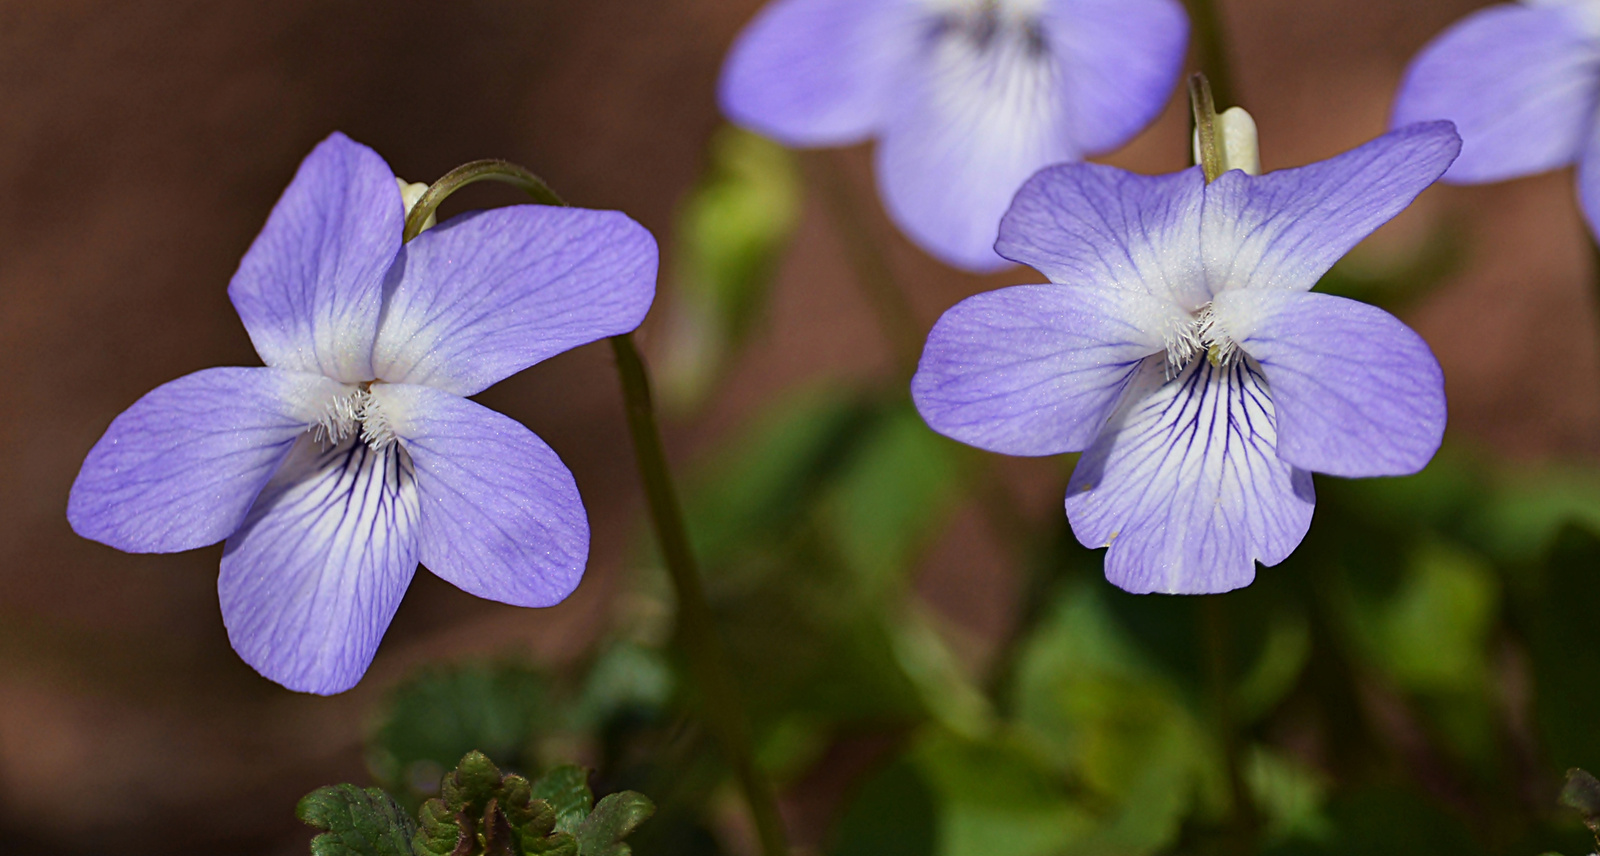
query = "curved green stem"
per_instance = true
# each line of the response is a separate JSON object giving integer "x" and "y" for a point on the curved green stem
{"x": 723, "y": 707}
{"x": 471, "y": 173}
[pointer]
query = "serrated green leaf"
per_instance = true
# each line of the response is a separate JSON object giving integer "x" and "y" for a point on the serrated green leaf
{"x": 357, "y": 822}
{"x": 566, "y": 789}
{"x": 471, "y": 785}
{"x": 614, "y": 818}
{"x": 441, "y": 832}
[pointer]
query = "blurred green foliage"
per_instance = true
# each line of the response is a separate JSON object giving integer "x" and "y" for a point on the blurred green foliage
{"x": 729, "y": 236}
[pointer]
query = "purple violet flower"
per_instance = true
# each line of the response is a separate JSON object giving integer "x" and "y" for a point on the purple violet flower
{"x": 354, "y": 454}
{"x": 967, "y": 97}
{"x": 1522, "y": 84}
{"x": 1179, "y": 348}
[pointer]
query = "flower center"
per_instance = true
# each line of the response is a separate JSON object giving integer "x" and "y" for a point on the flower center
{"x": 988, "y": 25}
{"x": 1201, "y": 334}
{"x": 356, "y": 413}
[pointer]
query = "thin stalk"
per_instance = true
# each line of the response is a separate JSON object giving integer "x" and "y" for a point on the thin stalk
{"x": 724, "y": 709}
{"x": 1215, "y": 634}
{"x": 1203, "y": 106}
{"x": 1211, "y": 50}
{"x": 469, "y": 173}
{"x": 871, "y": 267}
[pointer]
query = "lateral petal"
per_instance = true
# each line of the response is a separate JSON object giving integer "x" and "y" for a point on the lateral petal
{"x": 1035, "y": 369}
{"x": 1184, "y": 486}
{"x": 311, "y": 581}
{"x": 1089, "y": 224}
{"x": 487, "y": 294}
{"x": 1358, "y": 393}
{"x": 501, "y": 515}
{"x": 1285, "y": 229}
{"x": 180, "y": 468}
{"x": 309, "y": 289}
{"x": 1521, "y": 83}
{"x": 818, "y": 72}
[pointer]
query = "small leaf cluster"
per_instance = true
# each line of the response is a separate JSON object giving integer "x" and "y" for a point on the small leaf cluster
{"x": 480, "y": 811}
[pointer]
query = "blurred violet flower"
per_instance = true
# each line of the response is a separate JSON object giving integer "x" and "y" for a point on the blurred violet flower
{"x": 967, "y": 97}
{"x": 353, "y": 454}
{"x": 1522, "y": 84}
{"x": 1179, "y": 348}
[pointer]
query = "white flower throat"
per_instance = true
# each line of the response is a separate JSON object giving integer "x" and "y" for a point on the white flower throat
{"x": 358, "y": 413}
{"x": 1201, "y": 334}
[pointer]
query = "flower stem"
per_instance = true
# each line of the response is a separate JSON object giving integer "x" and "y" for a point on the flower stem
{"x": 1211, "y": 50}
{"x": 470, "y": 173}
{"x": 872, "y": 270}
{"x": 724, "y": 709}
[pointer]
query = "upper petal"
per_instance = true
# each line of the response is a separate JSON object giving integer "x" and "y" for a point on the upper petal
{"x": 818, "y": 72}
{"x": 1034, "y": 369}
{"x": 501, "y": 515}
{"x": 1088, "y": 224}
{"x": 310, "y": 287}
{"x": 966, "y": 129}
{"x": 1119, "y": 62}
{"x": 180, "y": 468}
{"x": 1357, "y": 392}
{"x": 311, "y": 581}
{"x": 1521, "y": 83}
{"x": 485, "y": 295}
{"x": 1285, "y": 229}
{"x": 1184, "y": 486}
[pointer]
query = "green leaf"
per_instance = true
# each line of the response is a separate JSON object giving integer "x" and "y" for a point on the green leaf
{"x": 998, "y": 797}
{"x": 1104, "y": 714}
{"x": 1432, "y": 633}
{"x": 481, "y": 812}
{"x": 1290, "y": 794}
{"x": 895, "y": 813}
{"x": 1529, "y": 507}
{"x": 1582, "y": 792}
{"x": 613, "y": 819}
{"x": 357, "y": 822}
{"x": 566, "y": 789}
{"x": 441, "y": 832}
{"x": 728, "y": 239}
{"x": 440, "y": 713}
{"x": 902, "y": 481}
{"x": 1557, "y": 616}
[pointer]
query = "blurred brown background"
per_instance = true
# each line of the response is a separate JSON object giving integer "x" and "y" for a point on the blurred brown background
{"x": 142, "y": 145}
